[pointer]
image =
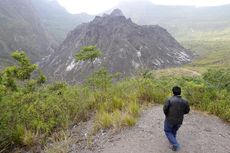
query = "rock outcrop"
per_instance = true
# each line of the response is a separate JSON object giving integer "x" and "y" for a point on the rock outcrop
{"x": 126, "y": 47}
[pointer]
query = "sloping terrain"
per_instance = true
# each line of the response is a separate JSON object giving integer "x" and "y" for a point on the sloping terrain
{"x": 56, "y": 20}
{"x": 21, "y": 29}
{"x": 35, "y": 26}
{"x": 200, "y": 133}
{"x": 181, "y": 21}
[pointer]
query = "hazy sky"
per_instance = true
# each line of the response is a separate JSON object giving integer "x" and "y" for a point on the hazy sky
{"x": 99, "y": 6}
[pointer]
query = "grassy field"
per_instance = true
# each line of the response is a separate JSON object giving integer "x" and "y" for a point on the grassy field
{"x": 212, "y": 51}
{"x": 212, "y": 48}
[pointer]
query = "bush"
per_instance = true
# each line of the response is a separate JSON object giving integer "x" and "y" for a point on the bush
{"x": 104, "y": 120}
{"x": 129, "y": 120}
{"x": 218, "y": 78}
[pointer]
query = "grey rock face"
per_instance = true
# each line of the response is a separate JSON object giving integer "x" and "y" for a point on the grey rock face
{"x": 21, "y": 29}
{"x": 126, "y": 47}
{"x": 35, "y": 26}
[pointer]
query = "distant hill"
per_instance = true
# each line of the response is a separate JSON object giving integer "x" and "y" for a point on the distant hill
{"x": 179, "y": 20}
{"x": 36, "y": 26}
{"x": 21, "y": 29}
{"x": 126, "y": 47}
{"x": 56, "y": 20}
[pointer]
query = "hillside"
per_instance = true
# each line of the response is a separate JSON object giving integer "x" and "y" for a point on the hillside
{"x": 126, "y": 47}
{"x": 181, "y": 21}
{"x": 35, "y": 26}
{"x": 21, "y": 29}
{"x": 56, "y": 20}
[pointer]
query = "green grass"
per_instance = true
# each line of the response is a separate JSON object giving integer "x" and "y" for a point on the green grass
{"x": 212, "y": 48}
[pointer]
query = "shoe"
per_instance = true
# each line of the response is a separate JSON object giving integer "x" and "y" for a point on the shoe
{"x": 173, "y": 148}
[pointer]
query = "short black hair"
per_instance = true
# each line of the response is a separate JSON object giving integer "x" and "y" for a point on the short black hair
{"x": 176, "y": 90}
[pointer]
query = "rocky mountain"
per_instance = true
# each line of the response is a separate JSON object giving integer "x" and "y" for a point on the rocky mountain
{"x": 126, "y": 47}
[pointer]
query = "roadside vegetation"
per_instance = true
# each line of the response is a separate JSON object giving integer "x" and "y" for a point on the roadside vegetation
{"x": 32, "y": 111}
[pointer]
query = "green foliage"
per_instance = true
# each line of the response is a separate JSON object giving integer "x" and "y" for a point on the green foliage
{"x": 21, "y": 73}
{"x": 100, "y": 80}
{"x": 30, "y": 117}
{"x": 129, "y": 120}
{"x": 19, "y": 97}
{"x": 104, "y": 120}
{"x": 219, "y": 78}
{"x": 8, "y": 78}
{"x": 41, "y": 78}
{"x": 212, "y": 47}
{"x": 88, "y": 53}
{"x": 25, "y": 68}
{"x": 133, "y": 109}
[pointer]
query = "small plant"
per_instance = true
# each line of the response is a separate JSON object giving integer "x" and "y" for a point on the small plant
{"x": 117, "y": 103}
{"x": 60, "y": 143}
{"x": 133, "y": 109}
{"x": 128, "y": 120}
{"x": 117, "y": 119}
{"x": 104, "y": 120}
{"x": 100, "y": 80}
{"x": 29, "y": 138}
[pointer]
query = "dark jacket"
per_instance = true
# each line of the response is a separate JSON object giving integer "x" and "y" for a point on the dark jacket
{"x": 174, "y": 109}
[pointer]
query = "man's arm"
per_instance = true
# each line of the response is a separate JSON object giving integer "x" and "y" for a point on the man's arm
{"x": 166, "y": 107}
{"x": 187, "y": 108}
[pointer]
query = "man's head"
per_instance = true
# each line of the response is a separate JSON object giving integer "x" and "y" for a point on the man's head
{"x": 176, "y": 90}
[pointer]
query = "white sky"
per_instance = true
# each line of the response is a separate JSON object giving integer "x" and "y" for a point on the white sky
{"x": 99, "y": 6}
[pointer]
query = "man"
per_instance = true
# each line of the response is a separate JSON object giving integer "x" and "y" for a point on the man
{"x": 174, "y": 110}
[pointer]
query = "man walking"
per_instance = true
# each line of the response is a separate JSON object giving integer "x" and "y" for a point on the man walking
{"x": 174, "y": 110}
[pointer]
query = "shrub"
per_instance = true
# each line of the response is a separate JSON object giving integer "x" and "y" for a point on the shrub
{"x": 117, "y": 119}
{"x": 133, "y": 109}
{"x": 219, "y": 78}
{"x": 104, "y": 120}
{"x": 100, "y": 80}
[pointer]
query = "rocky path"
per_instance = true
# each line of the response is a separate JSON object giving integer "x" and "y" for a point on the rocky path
{"x": 200, "y": 133}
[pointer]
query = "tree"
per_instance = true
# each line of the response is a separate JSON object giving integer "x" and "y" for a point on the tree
{"x": 100, "y": 79}
{"x": 22, "y": 71}
{"x": 88, "y": 53}
{"x": 25, "y": 68}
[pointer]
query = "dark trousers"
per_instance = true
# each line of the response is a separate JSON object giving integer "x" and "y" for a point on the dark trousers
{"x": 170, "y": 132}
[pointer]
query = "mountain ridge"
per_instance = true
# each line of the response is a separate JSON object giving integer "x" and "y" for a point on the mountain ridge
{"x": 21, "y": 29}
{"x": 34, "y": 26}
{"x": 126, "y": 47}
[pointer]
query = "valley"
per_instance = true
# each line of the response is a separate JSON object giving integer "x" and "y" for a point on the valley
{"x": 112, "y": 102}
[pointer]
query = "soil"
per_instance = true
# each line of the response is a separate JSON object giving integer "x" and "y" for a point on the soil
{"x": 200, "y": 133}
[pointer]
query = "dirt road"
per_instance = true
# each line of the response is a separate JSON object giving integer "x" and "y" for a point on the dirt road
{"x": 200, "y": 133}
